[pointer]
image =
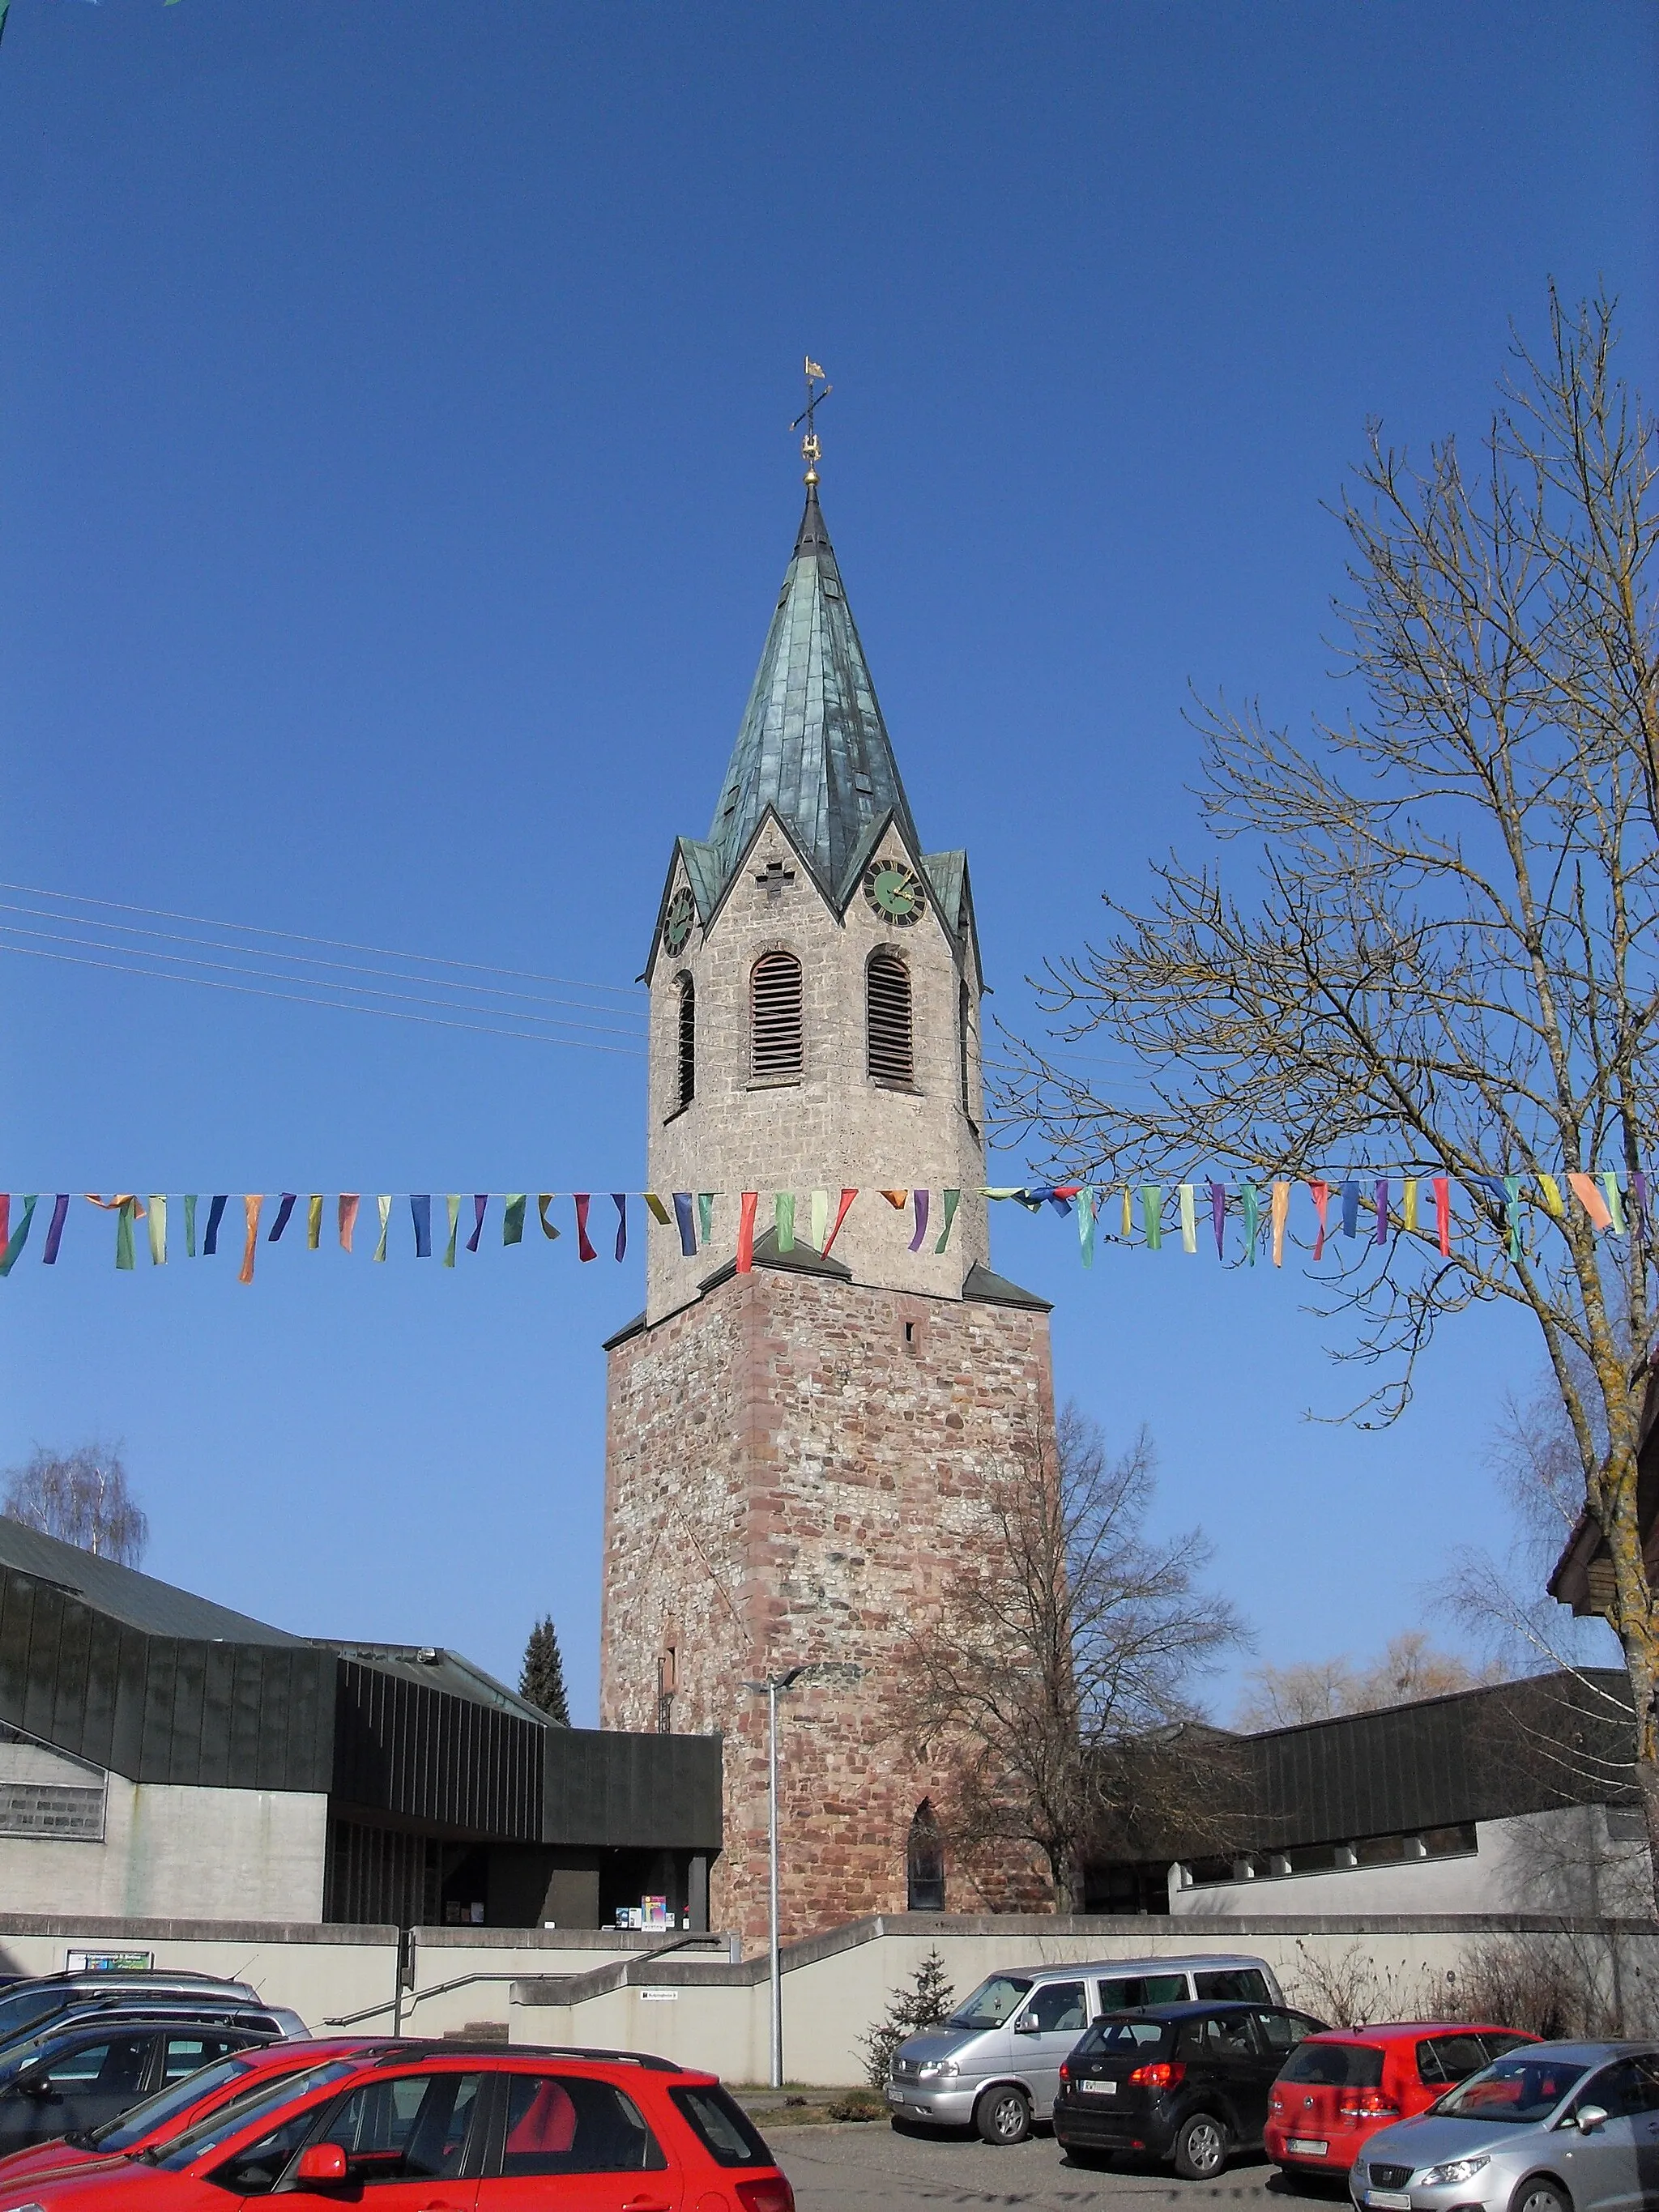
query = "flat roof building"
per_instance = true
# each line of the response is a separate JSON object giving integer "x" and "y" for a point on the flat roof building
{"x": 162, "y": 1755}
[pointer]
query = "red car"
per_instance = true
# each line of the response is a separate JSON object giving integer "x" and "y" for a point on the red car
{"x": 179, "y": 2104}
{"x": 1342, "y": 2085}
{"x": 452, "y": 2127}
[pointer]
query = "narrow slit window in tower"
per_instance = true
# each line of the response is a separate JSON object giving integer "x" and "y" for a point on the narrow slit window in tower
{"x": 924, "y": 1862}
{"x": 891, "y": 1045}
{"x": 776, "y": 1037}
{"x": 687, "y": 1087}
{"x": 964, "y": 1014}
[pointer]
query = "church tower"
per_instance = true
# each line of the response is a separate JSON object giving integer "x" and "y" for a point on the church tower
{"x": 797, "y": 1452}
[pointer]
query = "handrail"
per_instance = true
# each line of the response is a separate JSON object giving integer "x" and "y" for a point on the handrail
{"x": 400, "y": 2004}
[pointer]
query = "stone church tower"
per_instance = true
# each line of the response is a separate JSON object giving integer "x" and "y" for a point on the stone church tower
{"x": 796, "y": 1453}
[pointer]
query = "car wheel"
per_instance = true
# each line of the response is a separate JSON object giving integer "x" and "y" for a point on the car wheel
{"x": 1539, "y": 2195}
{"x": 1003, "y": 2116}
{"x": 1200, "y": 2150}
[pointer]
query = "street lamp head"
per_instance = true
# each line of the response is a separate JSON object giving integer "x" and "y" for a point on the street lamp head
{"x": 778, "y": 1681}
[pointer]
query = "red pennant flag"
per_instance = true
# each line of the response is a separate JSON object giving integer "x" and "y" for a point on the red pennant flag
{"x": 746, "y": 1231}
{"x": 1322, "y": 1198}
{"x": 846, "y": 1198}
{"x": 1443, "y": 1214}
{"x": 584, "y": 1242}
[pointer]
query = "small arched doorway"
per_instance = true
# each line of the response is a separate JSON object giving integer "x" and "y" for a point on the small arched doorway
{"x": 924, "y": 1861}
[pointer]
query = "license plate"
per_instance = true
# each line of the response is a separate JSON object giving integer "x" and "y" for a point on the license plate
{"x": 1389, "y": 2200}
{"x": 895, "y": 2096}
{"x": 1098, "y": 2089}
{"x": 1304, "y": 2147}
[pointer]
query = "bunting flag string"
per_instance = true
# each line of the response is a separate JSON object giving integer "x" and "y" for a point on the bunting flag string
{"x": 1371, "y": 1209}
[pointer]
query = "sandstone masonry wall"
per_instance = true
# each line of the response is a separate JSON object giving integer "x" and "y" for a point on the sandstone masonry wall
{"x": 791, "y": 1478}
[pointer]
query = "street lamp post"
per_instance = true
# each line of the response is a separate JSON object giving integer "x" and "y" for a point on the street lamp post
{"x": 770, "y": 1687}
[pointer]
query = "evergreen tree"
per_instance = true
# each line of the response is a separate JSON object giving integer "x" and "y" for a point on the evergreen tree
{"x": 929, "y": 1999}
{"x": 542, "y": 1682}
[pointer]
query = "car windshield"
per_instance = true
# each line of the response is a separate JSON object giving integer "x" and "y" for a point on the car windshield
{"x": 996, "y": 1997}
{"x": 1517, "y": 2090}
{"x": 1335, "y": 2065}
{"x": 129, "y": 2127}
{"x": 1110, "y": 2037}
{"x": 270, "y": 2097}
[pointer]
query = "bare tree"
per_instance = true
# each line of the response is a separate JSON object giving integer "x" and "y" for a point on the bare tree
{"x": 1315, "y": 1690}
{"x": 81, "y": 1497}
{"x": 1446, "y": 963}
{"x": 1078, "y": 1636}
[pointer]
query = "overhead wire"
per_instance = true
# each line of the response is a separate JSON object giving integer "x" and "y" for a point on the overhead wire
{"x": 339, "y": 1005}
{"x": 336, "y": 943}
{"x": 461, "y": 999}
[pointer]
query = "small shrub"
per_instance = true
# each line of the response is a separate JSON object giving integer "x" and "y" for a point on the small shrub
{"x": 856, "y": 2105}
{"x": 1527, "y": 1983}
{"x": 929, "y": 1999}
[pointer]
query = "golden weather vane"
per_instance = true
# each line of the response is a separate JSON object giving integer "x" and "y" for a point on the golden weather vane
{"x": 809, "y": 449}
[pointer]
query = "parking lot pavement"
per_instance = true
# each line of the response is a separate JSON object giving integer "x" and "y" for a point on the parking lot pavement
{"x": 873, "y": 2169}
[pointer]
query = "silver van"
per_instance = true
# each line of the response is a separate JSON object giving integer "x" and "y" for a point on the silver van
{"x": 996, "y": 2061}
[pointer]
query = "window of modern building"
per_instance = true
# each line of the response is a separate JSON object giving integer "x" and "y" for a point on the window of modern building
{"x": 891, "y": 1045}
{"x": 924, "y": 1861}
{"x": 774, "y": 1010}
{"x": 686, "y": 1086}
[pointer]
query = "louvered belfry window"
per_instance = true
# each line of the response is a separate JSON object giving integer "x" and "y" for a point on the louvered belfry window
{"x": 891, "y": 1049}
{"x": 774, "y": 1015}
{"x": 688, "y": 1043}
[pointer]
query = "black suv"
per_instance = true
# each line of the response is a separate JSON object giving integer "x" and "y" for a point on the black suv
{"x": 1188, "y": 2083}
{"x": 76, "y": 2076}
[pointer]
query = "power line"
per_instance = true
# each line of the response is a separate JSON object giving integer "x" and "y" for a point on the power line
{"x": 187, "y": 960}
{"x": 305, "y": 960}
{"x": 335, "y": 944}
{"x": 340, "y": 1005}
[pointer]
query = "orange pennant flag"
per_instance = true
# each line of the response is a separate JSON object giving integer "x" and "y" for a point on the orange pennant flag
{"x": 251, "y": 1205}
{"x": 1584, "y": 1190}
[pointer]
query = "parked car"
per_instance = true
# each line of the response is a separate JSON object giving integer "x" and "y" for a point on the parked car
{"x": 1187, "y": 2083}
{"x": 89, "y": 2070}
{"x": 180, "y": 2103}
{"x": 27, "y": 2006}
{"x": 1554, "y": 2127}
{"x": 473, "y": 2127}
{"x": 1339, "y": 2088}
{"x": 995, "y": 2063}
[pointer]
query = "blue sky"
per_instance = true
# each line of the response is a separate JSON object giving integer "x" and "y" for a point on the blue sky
{"x": 394, "y": 487}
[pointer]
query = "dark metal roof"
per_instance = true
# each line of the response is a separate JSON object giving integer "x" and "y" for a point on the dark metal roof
{"x": 124, "y": 1595}
{"x": 993, "y": 1290}
{"x": 416, "y": 1735}
{"x": 813, "y": 744}
{"x": 1532, "y": 1746}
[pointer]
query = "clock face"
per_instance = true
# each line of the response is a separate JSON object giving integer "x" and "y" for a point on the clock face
{"x": 895, "y": 890}
{"x": 676, "y": 923}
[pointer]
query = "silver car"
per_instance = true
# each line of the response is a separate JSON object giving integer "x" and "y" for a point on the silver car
{"x": 994, "y": 2064}
{"x": 1553, "y": 2127}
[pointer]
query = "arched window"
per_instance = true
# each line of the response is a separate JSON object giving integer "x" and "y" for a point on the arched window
{"x": 891, "y": 1053}
{"x": 924, "y": 1861}
{"x": 964, "y": 1031}
{"x": 775, "y": 1020}
{"x": 686, "y": 1087}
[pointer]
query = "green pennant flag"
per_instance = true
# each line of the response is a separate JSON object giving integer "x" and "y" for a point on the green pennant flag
{"x": 952, "y": 1199}
{"x": 513, "y": 1218}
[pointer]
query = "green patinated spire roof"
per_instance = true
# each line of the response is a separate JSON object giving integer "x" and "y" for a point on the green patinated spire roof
{"x": 813, "y": 745}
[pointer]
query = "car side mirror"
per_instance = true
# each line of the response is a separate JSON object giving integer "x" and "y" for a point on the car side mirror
{"x": 1592, "y": 2118}
{"x": 1026, "y": 2025}
{"x": 321, "y": 2165}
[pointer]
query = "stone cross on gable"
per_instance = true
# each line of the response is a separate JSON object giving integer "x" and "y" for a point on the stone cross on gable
{"x": 774, "y": 879}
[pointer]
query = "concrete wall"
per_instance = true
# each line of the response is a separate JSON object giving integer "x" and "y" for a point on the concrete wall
{"x": 1565, "y": 1861}
{"x": 602, "y": 1988}
{"x": 174, "y": 1851}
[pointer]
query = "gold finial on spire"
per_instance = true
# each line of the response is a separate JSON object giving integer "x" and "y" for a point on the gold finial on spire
{"x": 809, "y": 449}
